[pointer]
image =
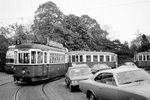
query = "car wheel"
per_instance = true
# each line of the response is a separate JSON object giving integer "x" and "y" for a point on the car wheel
{"x": 67, "y": 83}
{"x": 92, "y": 97}
{"x": 71, "y": 88}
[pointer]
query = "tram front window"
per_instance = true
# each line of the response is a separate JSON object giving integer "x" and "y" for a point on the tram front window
{"x": 33, "y": 57}
{"x": 24, "y": 57}
{"x": 9, "y": 60}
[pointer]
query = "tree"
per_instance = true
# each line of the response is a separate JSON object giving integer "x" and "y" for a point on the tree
{"x": 46, "y": 17}
{"x": 145, "y": 45}
{"x": 3, "y": 49}
{"x": 93, "y": 28}
{"x": 16, "y": 31}
{"x": 77, "y": 33}
{"x": 21, "y": 33}
{"x": 86, "y": 29}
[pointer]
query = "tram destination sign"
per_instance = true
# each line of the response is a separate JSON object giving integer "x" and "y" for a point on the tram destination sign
{"x": 54, "y": 44}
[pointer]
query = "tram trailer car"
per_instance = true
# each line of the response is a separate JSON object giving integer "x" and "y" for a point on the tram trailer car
{"x": 9, "y": 65}
{"x": 142, "y": 60}
{"x": 35, "y": 62}
{"x": 92, "y": 58}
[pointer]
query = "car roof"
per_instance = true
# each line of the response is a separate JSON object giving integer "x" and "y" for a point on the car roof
{"x": 118, "y": 70}
{"x": 91, "y": 52}
{"x": 79, "y": 66}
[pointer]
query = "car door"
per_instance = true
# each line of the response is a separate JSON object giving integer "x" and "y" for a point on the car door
{"x": 106, "y": 87}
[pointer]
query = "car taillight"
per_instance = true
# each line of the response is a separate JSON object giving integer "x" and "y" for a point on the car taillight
{"x": 74, "y": 82}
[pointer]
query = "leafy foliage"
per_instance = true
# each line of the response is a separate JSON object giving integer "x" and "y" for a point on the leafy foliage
{"x": 140, "y": 44}
{"x": 145, "y": 45}
{"x": 46, "y": 17}
{"x": 74, "y": 32}
{"x": 3, "y": 49}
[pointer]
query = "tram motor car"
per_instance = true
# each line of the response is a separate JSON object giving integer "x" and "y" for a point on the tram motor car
{"x": 36, "y": 62}
{"x": 142, "y": 60}
{"x": 93, "y": 58}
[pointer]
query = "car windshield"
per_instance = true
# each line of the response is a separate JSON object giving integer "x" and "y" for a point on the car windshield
{"x": 80, "y": 71}
{"x": 132, "y": 76}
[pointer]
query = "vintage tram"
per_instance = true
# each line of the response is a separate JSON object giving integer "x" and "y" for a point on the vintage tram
{"x": 9, "y": 64}
{"x": 92, "y": 58}
{"x": 35, "y": 62}
{"x": 142, "y": 59}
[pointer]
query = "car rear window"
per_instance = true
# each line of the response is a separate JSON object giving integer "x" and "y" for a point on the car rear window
{"x": 132, "y": 76}
{"x": 80, "y": 71}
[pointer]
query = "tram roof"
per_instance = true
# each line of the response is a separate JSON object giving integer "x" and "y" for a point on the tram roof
{"x": 38, "y": 46}
{"x": 12, "y": 46}
{"x": 91, "y": 52}
{"x": 143, "y": 53}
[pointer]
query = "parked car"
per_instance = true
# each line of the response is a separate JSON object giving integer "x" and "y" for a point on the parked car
{"x": 118, "y": 84}
{"x": 99, "y": 67}
{"x": 130, "y": 64}
{"x": 76, "y": 74}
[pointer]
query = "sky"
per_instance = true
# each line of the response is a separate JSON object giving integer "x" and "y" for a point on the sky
{"x": 122, "y": 18}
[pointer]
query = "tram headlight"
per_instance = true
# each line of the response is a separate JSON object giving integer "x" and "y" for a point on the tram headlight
{"x": 14, "y": 68}
{"x": 23, "y": 72}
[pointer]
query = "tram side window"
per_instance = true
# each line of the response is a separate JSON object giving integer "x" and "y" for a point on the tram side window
{"x": 40, "y": 57}
{"x": 81, "y": 58}
{"x": 20, "y": 58}
{"x": 33, "y": 57}
{"x": 77, "y": 60}
{"x": 69, "y": 58}
{"x": 24, "y": 58}
{"x": 55, "y": 58}
{"x": 148, "y": 57}
{"x": 45, "y": 57}
{"x": 63, "y": 58}
{"x": 73, "y": 58}
{"x": 107, "y": 59}
{"x": 112, "y": 58}
{"x": 101, "y": 58}
{"x": 140, "y": 57}
{"x": 95, "y": 58}
{"x": 50, "y": 58}
{"x": 144, "y": 57}
{"x": 15, "y": 57}
{"x": 88, "y": 58}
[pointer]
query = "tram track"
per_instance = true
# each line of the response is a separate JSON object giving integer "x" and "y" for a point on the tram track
{"x": 5, "y": 79}
{"x": 16, "y": 93}
{"x": 31, "y": 92}
{"x": 2, "y": 84}
{"x": 44, "y": 92}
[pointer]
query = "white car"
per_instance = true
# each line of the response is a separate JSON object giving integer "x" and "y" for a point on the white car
{"x": 118, "y": 84}
{"x": 75, "y": 74}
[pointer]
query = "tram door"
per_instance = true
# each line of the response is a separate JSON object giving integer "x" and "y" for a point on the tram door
{"x": 45, "y": 66}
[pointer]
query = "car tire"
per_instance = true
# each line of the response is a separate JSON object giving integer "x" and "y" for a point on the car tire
{"x": 67, "y": 83}
{"x": 71, "y": 88}
{"x": 91, "y": 96}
